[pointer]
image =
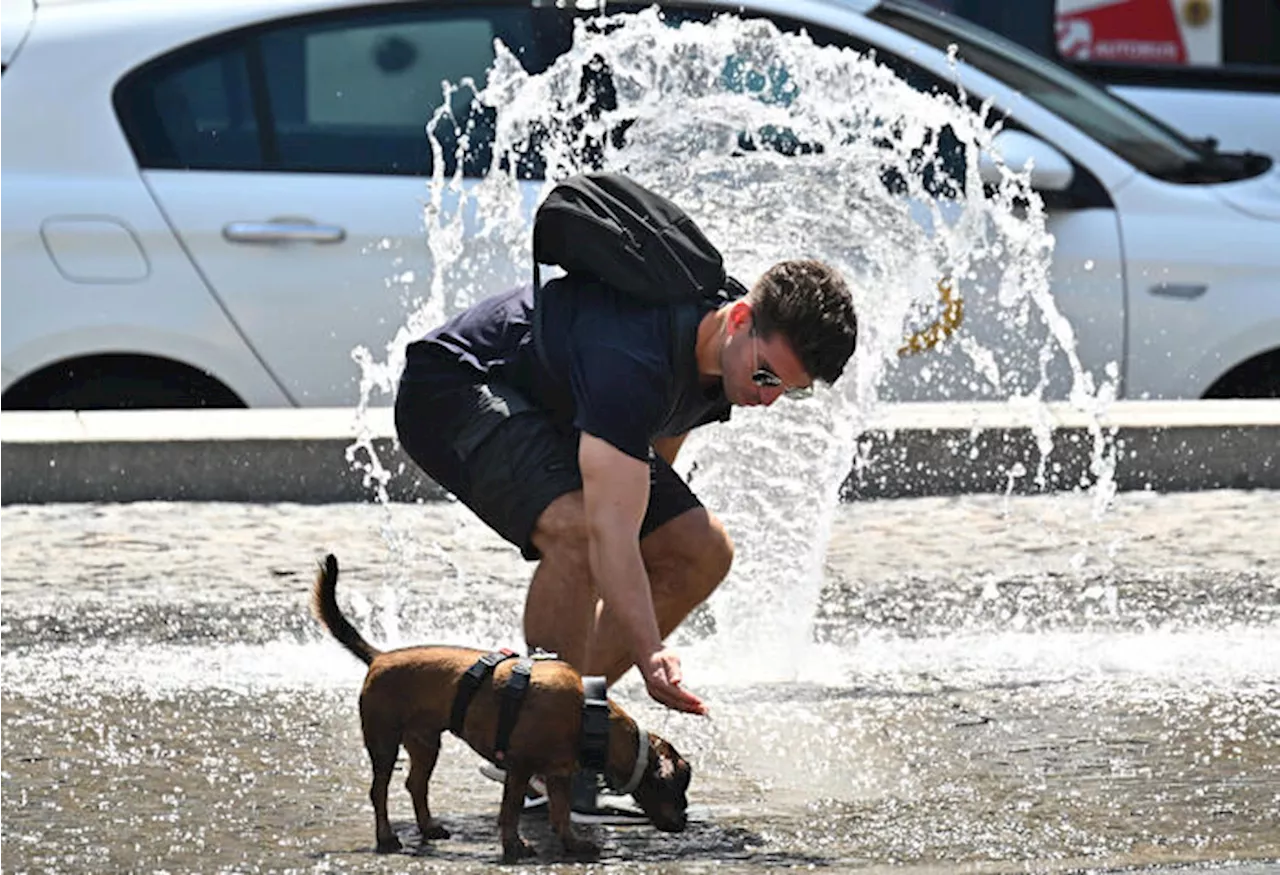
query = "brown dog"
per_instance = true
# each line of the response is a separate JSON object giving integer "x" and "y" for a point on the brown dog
{"x": 408, "y": 699}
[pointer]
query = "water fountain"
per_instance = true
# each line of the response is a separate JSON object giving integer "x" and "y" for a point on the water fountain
{"x": 779, "y": 149}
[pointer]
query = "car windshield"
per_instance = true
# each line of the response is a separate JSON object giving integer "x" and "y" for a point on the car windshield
{"x": 1141, "y": 140}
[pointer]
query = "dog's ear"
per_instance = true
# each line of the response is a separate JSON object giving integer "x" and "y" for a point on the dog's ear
{"x": 666, "y": 762}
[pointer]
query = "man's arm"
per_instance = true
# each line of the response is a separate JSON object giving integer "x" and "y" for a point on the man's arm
{"x": 615, "y": 489}
{"x": 667, "y": 447}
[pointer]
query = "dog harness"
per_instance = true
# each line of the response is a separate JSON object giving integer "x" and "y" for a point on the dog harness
{"x": 512, "y": 694}
{"x": 593, "y": 743}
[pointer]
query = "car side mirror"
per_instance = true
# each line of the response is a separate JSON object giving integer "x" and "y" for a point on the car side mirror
{"x": 1050, "y": 169}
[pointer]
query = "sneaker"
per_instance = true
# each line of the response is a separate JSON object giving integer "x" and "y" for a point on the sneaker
{"x": 535, "y": 795}
{"x": 608, "y": 812}
{"x": 589, "y": 805}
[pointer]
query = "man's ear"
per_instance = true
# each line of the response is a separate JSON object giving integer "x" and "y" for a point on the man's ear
{"x": 740, "y": 317}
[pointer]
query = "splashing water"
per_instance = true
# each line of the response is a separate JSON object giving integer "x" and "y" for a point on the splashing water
{"x": 779, "y": 149}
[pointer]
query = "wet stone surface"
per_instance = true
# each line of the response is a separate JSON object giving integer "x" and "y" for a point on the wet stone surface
{"x": 988, "y": 685}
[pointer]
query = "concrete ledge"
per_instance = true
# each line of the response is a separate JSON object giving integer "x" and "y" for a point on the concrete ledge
{"x": 909, "y": 450}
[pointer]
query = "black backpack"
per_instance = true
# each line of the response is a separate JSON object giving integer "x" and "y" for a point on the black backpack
{"x": 610, "y": 228}
{"x": 607, "y": 227}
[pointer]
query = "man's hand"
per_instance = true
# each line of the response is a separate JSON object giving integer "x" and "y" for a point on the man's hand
{"x": 662, "y": 677}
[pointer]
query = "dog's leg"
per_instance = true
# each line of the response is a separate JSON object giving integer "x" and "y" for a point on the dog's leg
{"x": 514, "y": 848}
{"x": 558, "y": 801}
{"x": 423, "y": 752}
{"x": 382, "y": 755}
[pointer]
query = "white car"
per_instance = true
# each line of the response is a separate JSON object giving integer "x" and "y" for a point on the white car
{"x": 213, "y": 202}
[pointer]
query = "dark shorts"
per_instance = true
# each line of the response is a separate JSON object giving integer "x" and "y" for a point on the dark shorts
{"x": 506, "y": 459}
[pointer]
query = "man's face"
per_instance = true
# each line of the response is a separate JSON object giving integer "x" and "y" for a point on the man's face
{"x": 761, "y": 370}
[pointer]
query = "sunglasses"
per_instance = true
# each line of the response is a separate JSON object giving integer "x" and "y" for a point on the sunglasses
{"x": 765, "y": 378}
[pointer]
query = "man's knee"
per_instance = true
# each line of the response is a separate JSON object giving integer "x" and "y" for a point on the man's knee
{"x": 716, "y": 552}
{"x": 695, "y": 546}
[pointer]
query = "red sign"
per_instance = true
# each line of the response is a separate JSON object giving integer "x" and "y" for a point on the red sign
{"x": 1126, "y": 32}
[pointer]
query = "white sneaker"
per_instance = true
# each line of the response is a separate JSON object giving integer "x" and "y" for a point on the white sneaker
{"x": 534, "y": 797}
{"x": 609, "y": 810}
{"x": 591, "y": 802}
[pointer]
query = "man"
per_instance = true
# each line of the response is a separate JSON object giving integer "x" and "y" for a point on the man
{"x": 566, "y": 450}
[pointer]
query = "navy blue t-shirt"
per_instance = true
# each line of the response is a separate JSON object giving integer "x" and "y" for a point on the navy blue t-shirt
{"x": 615, "y": 369}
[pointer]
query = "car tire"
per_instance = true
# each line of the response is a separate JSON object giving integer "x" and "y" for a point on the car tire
{"x": 119, "y": 383}
{"x": 1259, "y": 377}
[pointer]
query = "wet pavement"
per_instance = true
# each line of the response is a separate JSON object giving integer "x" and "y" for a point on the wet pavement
{"x": 987, "y": 685}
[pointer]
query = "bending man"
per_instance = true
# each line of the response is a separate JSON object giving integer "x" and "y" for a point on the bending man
{"x": 566, "y": 451}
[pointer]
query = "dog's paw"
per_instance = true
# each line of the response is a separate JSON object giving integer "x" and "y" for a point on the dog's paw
{"x": 434, "y": 831}
{"x": 517, "y": 851}
{"x": 581, "y": 850}
{"x": 389, "y": 845}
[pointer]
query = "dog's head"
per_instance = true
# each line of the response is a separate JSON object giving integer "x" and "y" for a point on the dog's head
{"x": 661, "y": 791}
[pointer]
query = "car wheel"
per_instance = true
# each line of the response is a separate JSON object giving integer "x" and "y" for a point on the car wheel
{"x": 119, "y": 382}
{"x": 1259, "y": 377}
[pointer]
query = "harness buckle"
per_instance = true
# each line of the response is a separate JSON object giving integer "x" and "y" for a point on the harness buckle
{"x": 593, "y": 744}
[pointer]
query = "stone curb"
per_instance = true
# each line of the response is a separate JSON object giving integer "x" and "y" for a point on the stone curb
{"x": 305, "y": 455}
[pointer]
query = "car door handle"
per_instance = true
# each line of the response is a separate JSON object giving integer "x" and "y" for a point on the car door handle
{"x": 291, "y": 231}
{"x": 1185, "y": 291}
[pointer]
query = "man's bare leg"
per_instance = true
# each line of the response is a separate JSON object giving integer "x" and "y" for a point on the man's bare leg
{"x": 687, "y": 558}
{"x": 560, "y": 608}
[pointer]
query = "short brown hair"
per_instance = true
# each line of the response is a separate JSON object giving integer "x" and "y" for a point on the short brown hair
{"x": 808, "y": 302}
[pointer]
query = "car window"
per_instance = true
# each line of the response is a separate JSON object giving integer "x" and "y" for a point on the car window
{"x": 357, "y": 95}
{"x": 194, "y": 114}
{"x": 349, "y": 93}
{"x": 942, "y": 171}
{"x": 944, "y": 176}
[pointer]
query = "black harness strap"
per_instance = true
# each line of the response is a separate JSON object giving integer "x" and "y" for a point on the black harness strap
{"x": 509, "y": 710}
{"x": 471, "y": 681}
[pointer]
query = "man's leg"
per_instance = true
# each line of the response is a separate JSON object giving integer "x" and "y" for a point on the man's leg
{"x": 686, "y": 552}
{"x": 560, "y": 608}
{"x": 686, "y": 557}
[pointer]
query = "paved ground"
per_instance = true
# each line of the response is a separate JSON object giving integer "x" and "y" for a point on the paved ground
{"x": 977, "y": 683}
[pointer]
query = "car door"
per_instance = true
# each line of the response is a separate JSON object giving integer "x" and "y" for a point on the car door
{"x": 293, "y": 162}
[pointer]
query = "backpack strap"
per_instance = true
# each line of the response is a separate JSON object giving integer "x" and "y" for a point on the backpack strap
{"x": 536, "y": 321}
{"x": 509, "y": 710}
{"x": 471, "y": 681}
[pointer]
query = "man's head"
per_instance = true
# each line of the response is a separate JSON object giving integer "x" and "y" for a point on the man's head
{"x": 795, "y": 326}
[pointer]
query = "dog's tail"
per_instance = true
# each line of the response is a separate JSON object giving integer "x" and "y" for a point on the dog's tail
{"x": 324, "y": 604}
